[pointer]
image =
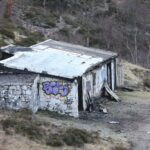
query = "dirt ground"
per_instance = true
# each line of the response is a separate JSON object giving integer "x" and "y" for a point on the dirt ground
{"x": 130, "y": 120}
{"x": 132, "y": 117}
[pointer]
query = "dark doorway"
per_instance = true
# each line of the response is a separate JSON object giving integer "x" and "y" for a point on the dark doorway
{"x": 5, "y": 55}
{"x": 80, "y": 94}
{"x": 109, "y": 75}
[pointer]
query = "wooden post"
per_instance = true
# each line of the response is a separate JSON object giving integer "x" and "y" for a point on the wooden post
{"x": 120, "y": 74}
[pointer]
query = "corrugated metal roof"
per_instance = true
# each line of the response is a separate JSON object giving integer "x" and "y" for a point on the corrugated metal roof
{"x": 56, "y": 58}
{"x": 104, "y": 54}
{"x": 52, "y": 61}
{"x": 12, "y": 49}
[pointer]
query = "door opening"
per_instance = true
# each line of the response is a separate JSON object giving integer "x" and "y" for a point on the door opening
{"x": 80, "y": 94}
{"x": 109, "y": 75}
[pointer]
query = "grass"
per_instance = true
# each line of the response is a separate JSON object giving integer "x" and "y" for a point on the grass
{"x": 25, "y": 124}
{"x": 120, "y": 147}
{"x": 54, "y": 114}
{"x": 130, "y": 95}
{"x": 54, "y": 140}
{"x": 25, "y": 128}
{"x": 71, "y": 137}
{"x": 30, "y": 130}
{"x": 76, "y": 137}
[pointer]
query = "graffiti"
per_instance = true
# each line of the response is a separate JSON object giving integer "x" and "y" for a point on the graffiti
{"x": 69, "y": 103}
{"x": 55, "y": 88}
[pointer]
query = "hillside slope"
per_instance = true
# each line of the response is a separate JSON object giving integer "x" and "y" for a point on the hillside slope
{"x": 122, "y": 26}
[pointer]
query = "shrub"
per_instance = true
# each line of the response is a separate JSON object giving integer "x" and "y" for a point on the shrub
{"x": 8, "y": 123}
{"x": 51, "y": 23}
{"x": 120, "y": 147}
{"x": 64, "y": 31}
{"x": 34, "y": 130}
{"x": 30, "y": 14}
{"x": 54, "y": 140}
{"x": 25, "y": 128}
{"x": 76, "y": 137}
{"x": 31, "y": 40}
{"x": 147, "y": 82}
{"x": 26, "y": 42}
{"x": 29, "y": 130}
{"x": 2, "y": 43}
{"x": 7, "y": 32}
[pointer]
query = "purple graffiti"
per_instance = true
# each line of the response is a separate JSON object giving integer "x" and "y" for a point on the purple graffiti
{"x": 55, "y": 88}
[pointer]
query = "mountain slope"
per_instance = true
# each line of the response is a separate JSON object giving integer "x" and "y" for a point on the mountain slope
{"x": 122, "y": 26}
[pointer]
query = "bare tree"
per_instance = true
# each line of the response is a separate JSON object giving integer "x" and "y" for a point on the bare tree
{"x": 44, "y": 4}
{"x": 135, "y": 45}
{"x": 8, "y": 10}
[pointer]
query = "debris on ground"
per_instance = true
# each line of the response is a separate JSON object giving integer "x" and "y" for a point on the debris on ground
{"x": 114, "y": 122}
{"x": 102, "y": 109}
{"x": 110, "y": 92}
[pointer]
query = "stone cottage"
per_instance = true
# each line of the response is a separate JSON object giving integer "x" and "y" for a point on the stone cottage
{"x": 54, "y": 76}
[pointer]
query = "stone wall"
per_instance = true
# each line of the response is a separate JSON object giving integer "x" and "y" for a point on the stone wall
{"x": 34, "y": 92}
{"x": 16, "y": 91}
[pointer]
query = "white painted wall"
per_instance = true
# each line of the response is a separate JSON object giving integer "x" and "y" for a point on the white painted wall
{"x": 113, "y": 74}
{"x": 88, "y": 85}
{"x": 101, "y": 76}
{"x": 58, "y": 95}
